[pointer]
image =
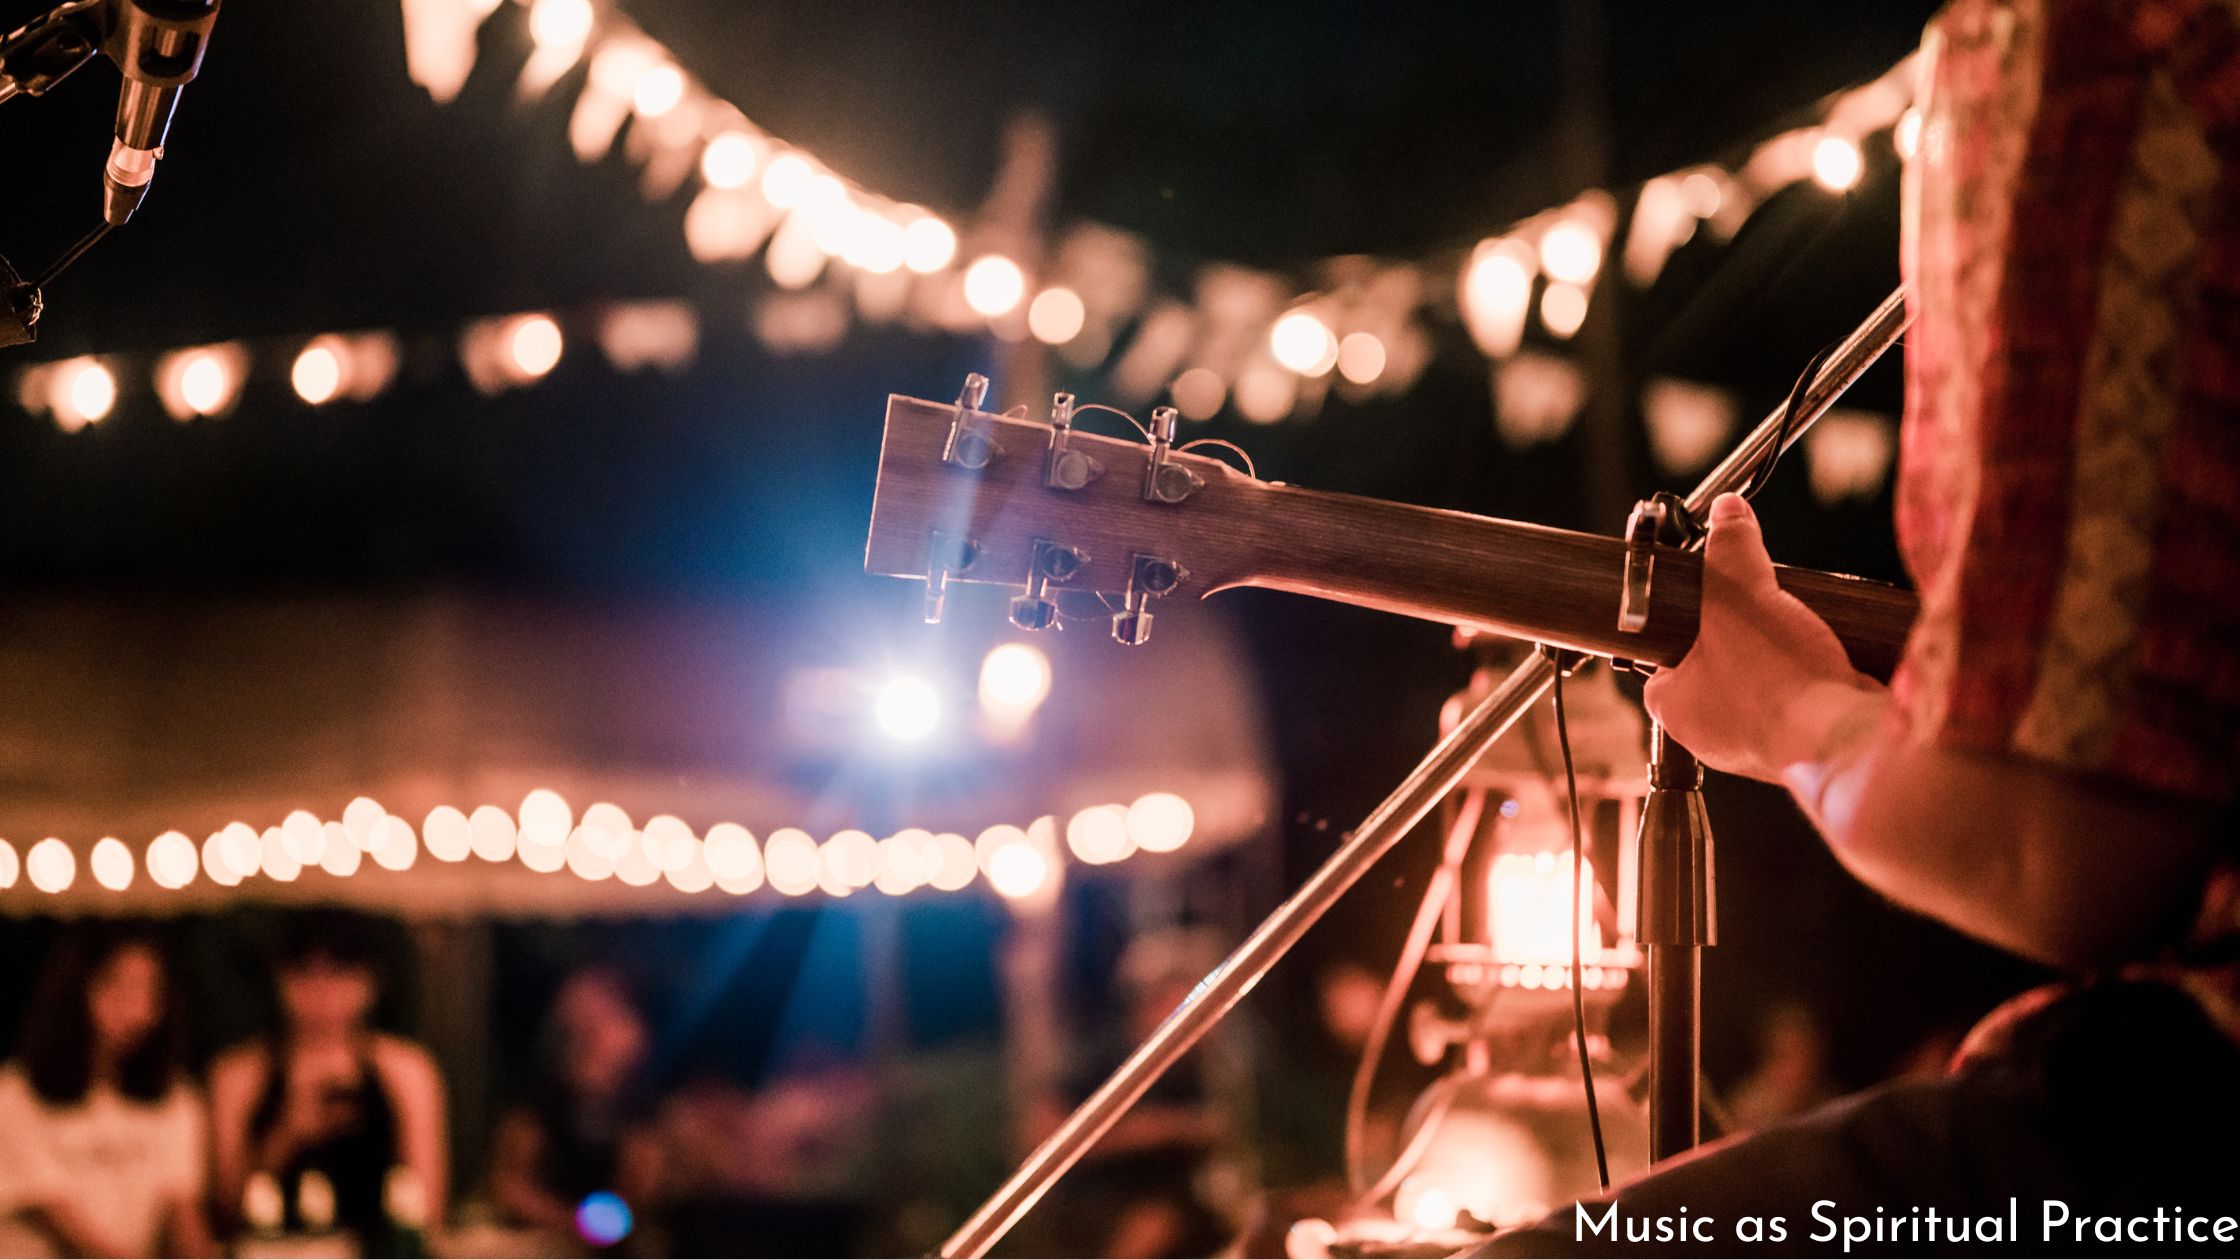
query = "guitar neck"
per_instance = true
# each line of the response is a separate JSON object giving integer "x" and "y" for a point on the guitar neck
{"x": 1523, "y": 581}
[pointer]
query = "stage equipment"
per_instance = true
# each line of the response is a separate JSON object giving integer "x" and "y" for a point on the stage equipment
{"x": 967, "y": 496}
{"x": 158, "y": 46}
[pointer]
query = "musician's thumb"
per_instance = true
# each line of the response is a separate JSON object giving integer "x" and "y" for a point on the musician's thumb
{"x": 1735, "y": 550}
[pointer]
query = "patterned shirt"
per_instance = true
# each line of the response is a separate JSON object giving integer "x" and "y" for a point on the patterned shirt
{"x": 2069, "y": 487}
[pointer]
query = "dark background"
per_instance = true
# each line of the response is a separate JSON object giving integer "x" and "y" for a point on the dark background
{"x": 311, "y": 187}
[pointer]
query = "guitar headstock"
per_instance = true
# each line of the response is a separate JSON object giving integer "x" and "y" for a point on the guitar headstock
{"x": 1084, "y": 525}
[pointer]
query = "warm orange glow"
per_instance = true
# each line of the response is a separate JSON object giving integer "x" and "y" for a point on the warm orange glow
{"x": 1161, "y": 822}
{"x": 1571, "y": 252}
{"x": 789, "y": 861}
{"x": 111, "y": 863}
{"x": 994, "y": 286}
{"x": 954, "y": 863}
{"x": 1530, "y": 905}
{"x": 1198, "y": 393}
{"x": 80, "y": 392}
{"x": 534, "y": 344}
{"x": 729, "y": 160}
{"x": 51, "y": 865}
{"x": 1303, "y": 343}
{"x": 1563, "y": 309}
{"x": 659, "y": 89}
{"x": 1099, "y": 834}
{"x": 1497, "y": 294}
{"x": 928, "y": 245}
{"x": 560, "y": 26}
{"x": 448, "y": 834}
{"x": 1836, "y": 163}
{"x": 171, "y": 860}
{"x": 1056, "y": 316}
{"x": 786, "y": 180}
{"x": 1361, "y": 358}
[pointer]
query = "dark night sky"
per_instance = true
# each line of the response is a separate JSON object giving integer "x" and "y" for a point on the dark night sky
{"x": 311, "y": 187}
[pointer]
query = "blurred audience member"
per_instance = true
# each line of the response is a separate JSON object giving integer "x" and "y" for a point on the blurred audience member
{"x": 584, "y": 1124}
{"x": 100, "y": 1135}
{"x": 325, "y": 1093}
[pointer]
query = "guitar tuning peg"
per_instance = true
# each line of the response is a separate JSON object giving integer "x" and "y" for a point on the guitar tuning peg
{"x": 968, "y": 447}
{"x": 948, "y": 555}
{"x": 1036, "y": 608}
{"x": 1066, "y": 468}
{"x": 1165, "y": 482}
{"x": 1149, "y": 578}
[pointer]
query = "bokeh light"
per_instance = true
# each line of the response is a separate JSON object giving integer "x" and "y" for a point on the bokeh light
{"x": 51, "y": 865}
{"x": 1303, "y": 343}
{"x": 111, "y": 864}
{"x": 994, "y": 286}
{"x": 1056, "y": 316}
{"x": 907, "y": 708}
{"x": 1837, "y": 163}
{"x": 1161, "y": 822}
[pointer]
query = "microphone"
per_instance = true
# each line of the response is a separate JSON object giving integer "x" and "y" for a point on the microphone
{"x": 158, "y": 45}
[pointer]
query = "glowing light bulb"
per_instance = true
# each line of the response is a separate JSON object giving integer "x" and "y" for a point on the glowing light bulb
{"x": 534, "y": 344}
{"x": 789, "y": 861}
{"x": 1161, "y": 822}
{"x": 953, "y": 862}
{"x": 317, "y": 374}
{"x": 1497, "y": 295}
{"x": 448, "y": 834}
{"x": 729, "y": 160}
{"x": 51, "y": 865}
{"x": 907, "y": 708}
{"x": 1563, "y": 308}
{"x": 10, "y": 865}
{"x": 1571, "y": 252}
{"x": 545, "y": 818}
{"x": 993, "y": 285}
{"x": 1014, "y": 676}
{"x": 1056, "y": 316}
{"x": 304, "y": 837}
{"x": 786, "y": 180}
{"x": 1018, "y": 870}
{"x": 560, "y": 25}
{"x": 205, "y": 383}
{"x": 1198, "y": 393}
{"x": 83, "y": 391}
{"x": 242, "y": 848}
{"x": 1099, "y": 834}
{"x": 494, "y": 836}
{"x": 363, "y": 818}
{"x": 1837, "y": 164}
{"x": 111, "y": 863}
{"x": 928, "y": 245}
{"x": 731, "y": 853}
{"x": 659, "y": 89}
{"x": 1303, "y": 343}
{"x": 1361, "y": 358}
{"x": 171, "y": 860}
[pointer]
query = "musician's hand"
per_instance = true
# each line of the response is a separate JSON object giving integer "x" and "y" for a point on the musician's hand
{"x": 1767, "y": 683}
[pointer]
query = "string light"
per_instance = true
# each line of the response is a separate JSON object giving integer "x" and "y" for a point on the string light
{"x": 1303, "y": 344}
{"x": 659, "y": 89}
{"x": 786, "y": 180}
{"x": 928, "y": 244}
{"x": 560, "y": 25}
{"x": 729, "y": 160}
{"x": 10, "y": 865}
{"x": 1160, "y": 822}
{"x": 1497, "y": 295}
{"x": 1906, "y": 136}
{"x": 51, "y": 865}
{"x": 172, "y": 860}
{"x": 1563, "y": 309}
{"x": 993, "y": 286}
{"x": 1056, "y": 316}
{"x": 789, "y": 861}
{"x": 1571, "y": 252}
{"x": 111, "y": 864}
{"x": 1198, "y": 393}
{"x": 535, "y": 344}
{"x": 1014, "y": 679}
{"x": 1836, "y": 163}
{"x": 1361, "y": 358}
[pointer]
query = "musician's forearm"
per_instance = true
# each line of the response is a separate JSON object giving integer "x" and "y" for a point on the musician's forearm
{"x": 2007, "y": 850}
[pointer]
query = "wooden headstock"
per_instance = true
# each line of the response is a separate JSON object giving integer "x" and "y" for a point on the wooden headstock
{"x": 1016, "y": 519}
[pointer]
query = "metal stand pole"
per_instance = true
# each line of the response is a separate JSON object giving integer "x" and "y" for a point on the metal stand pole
{"x": 1678, "y": 919}
{"x": 1227, "y": 984}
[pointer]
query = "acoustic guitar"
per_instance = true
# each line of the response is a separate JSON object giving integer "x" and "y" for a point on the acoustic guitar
{"x": 1088, "y": 526}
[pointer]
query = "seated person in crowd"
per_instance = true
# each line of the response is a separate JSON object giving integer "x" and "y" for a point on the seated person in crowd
{"x": 584, "y": 1124}
{"x": 327, "y": 1093}
{"x": 100, "y": 1133}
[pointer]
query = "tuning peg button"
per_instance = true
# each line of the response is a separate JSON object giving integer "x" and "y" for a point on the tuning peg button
{"x": 1132, "y": 627}
{"x": 1029, "y": 612}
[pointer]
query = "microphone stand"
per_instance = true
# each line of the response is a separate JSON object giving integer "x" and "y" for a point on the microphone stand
{"x": 1438, "y": 774}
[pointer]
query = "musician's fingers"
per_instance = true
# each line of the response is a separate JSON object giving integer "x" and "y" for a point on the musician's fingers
{"x": 1735, "y": 551}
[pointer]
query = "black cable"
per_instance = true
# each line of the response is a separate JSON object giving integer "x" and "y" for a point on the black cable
{"x": 1805, "y": 380}
{"x": 1578, "y": 886}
